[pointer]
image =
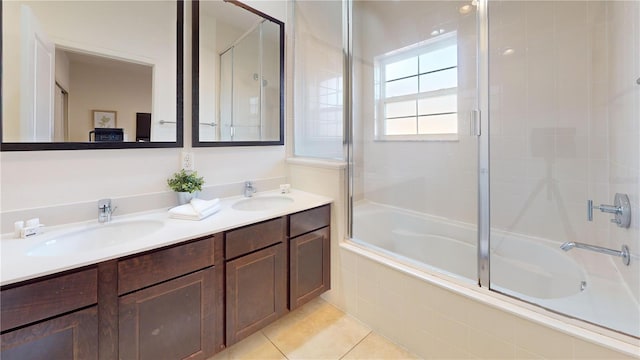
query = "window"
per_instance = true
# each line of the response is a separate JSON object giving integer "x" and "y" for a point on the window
{"x": 417, "y": 91}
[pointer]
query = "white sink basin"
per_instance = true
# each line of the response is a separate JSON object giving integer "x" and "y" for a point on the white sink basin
{"x": 96, "y": 237}
{"x": 260, "y": 203}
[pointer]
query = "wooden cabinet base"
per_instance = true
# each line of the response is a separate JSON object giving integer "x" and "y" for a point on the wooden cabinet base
{"x": 309, "y": 262}
{"x": 171, "y": 320}
{"x": 72, "y": 336}
{"x": 256, "y": 291}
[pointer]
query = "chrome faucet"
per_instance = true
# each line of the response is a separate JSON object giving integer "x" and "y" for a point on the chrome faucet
{"x": 624, "y": 253}
{"x": 105, "y": 210}
{"x": 248, "y": 189}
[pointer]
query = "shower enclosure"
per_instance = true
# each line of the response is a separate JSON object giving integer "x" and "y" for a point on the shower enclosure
{"x": 249, "y": 87}
{"x": 489, "y": 140}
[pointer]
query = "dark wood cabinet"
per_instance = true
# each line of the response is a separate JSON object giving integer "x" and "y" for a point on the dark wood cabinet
{"x": 51, "y": 318}
{"x": 171, "y": 320}
{"x": 183, "y": 301}
{"x": 256, "y": 291}
{"x": 309, "y": 262}
{"x": 167, "y": 307}
{"x": 71, "y": 336}
{"x": 309, "y": 254}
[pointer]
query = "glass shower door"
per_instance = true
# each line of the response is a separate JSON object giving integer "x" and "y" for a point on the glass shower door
{"x": 414, "y": 160}
{"x": 564, "y": 117}
{"x": 247, "y": 88}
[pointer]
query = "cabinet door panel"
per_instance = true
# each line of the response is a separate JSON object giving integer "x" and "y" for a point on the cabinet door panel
{"x": 172, "y": 320}
{"x": 72, "y": 336}
{"x": 256, "y": 291}
{"x": 48, "y": 297}
{"x": 309, "y": 266}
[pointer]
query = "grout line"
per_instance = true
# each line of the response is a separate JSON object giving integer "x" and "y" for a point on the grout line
{"x": 274, "y": 345}
{"x": 354, "y": 346}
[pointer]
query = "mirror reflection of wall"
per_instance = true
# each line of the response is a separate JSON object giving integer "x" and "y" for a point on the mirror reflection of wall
{"x": 64, "y": 60}
{"x": 94, "y": 82}
{"x": 239, "y": 75}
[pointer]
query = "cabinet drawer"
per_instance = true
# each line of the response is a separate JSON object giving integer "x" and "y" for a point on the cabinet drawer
{"x": 140, "y": 271}
{"x": 254, "y": 237}
{"x": 48, "y": 297}
{"x": 309, "y": 220}
{"x": 73, "y": 336}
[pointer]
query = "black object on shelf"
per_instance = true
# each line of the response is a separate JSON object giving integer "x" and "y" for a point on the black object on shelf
{"x": 106, "y": 134}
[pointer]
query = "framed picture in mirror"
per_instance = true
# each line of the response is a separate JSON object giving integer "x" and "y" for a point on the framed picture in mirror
{"x": 104, "y": 119}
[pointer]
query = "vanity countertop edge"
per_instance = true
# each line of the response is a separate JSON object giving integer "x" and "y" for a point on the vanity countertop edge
{"x": 17, "y": 266}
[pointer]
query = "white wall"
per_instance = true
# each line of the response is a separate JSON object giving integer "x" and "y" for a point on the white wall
{"x": 62, "y": 69}
{"x": 318, "y": 79}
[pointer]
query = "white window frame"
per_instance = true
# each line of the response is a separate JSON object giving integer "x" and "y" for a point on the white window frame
{"x": 380, "y": 63}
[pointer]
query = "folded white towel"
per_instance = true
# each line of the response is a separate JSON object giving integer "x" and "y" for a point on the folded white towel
{"x": 202, "y": 206}
{"x": 195, "y": 210}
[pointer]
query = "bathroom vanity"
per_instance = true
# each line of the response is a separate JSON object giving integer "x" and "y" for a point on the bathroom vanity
{"x": 188, "y": 299}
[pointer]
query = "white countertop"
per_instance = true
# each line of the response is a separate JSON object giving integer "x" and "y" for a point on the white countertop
{"x": 17, "y": 266}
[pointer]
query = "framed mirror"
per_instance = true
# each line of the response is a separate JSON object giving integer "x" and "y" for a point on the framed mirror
{"x": 238, "y": 75}
{"x": 91, "y": 74}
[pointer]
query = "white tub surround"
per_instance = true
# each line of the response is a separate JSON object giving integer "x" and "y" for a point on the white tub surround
{"x": 18, "y": 265}
{"x": 580, "y": 284}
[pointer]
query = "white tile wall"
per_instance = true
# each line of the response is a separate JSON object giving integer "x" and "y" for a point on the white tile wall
{"x": 575, "y": 65}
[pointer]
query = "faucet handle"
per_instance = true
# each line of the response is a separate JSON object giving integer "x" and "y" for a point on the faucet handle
{"x": 104, "y": 203}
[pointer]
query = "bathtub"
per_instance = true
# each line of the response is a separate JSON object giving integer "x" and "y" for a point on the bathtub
{"x": 531, "y": 269}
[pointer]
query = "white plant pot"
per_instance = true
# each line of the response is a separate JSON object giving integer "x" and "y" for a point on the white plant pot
{"x": 185, "y": 197}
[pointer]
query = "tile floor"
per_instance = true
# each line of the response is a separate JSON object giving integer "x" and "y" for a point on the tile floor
{"x": 317, "y": 330}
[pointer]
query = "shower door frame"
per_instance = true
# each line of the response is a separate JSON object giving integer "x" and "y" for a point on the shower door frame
{"x": 481, "y": 131}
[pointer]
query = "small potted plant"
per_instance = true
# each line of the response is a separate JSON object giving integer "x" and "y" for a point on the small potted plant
{"x": 187, "y": 185}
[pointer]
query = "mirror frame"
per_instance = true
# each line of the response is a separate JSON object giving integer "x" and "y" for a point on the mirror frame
{"x": 195, "y": 80}
{"x": 34, "y": 146}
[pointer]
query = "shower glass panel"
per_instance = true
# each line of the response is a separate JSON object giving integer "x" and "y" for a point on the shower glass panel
{"x": 247, "y": 75}
{"x": 250, "y": 86}
{"x": 414, "y": 183}
{"x": 564, "y": 116}
{"x": 226, "y": 94}
{"x": 270, "y": 99}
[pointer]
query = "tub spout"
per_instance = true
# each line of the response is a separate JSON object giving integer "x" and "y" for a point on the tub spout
{"x": 568, "y": 246}
{"x": 624, "y": 253}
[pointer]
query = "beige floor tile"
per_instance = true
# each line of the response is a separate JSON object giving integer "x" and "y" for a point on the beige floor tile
{"x": 375, "y": 346}
{"x": 318, "y": 330}
{"x": 255, "y": 347}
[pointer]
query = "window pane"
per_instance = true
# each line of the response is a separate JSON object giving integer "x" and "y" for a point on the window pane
{"x": 438, "y": 104}
{"x": 402, "y": 126}
{"x": 438, "y": 124}
{"x": 439, "y": 80}
{"x": 439, "y": 59}
{"x": 401, "y": 109}
{"x": 402, "y": 68}
{"x": 402, "y": 87}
